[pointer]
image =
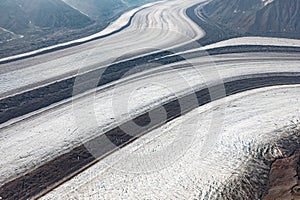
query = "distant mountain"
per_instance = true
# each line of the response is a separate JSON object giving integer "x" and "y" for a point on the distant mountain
{"x": 104, "y": 9}
{"x": 54, "y": 14}
{"x": 256, "y": 17}
{"x": 21, "y": 16}
{"x": 99, "y": 10}
{"x": 12, "y": 17}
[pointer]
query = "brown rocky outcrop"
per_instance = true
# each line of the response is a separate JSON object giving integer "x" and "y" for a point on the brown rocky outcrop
{"x": 284, "y": 179}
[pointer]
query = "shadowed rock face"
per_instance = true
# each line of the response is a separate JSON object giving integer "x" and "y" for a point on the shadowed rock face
{"x": 284, "y": 180}
{"x": 257, "y": 17}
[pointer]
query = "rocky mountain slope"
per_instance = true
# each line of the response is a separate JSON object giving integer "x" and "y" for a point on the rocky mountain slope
{"x": 256, "y": 17}
{"x": 22, "y": 16}
{"x": 280, "y": 17}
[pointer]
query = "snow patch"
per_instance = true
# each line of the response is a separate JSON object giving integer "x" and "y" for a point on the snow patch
{"x": 266, "y": 2}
